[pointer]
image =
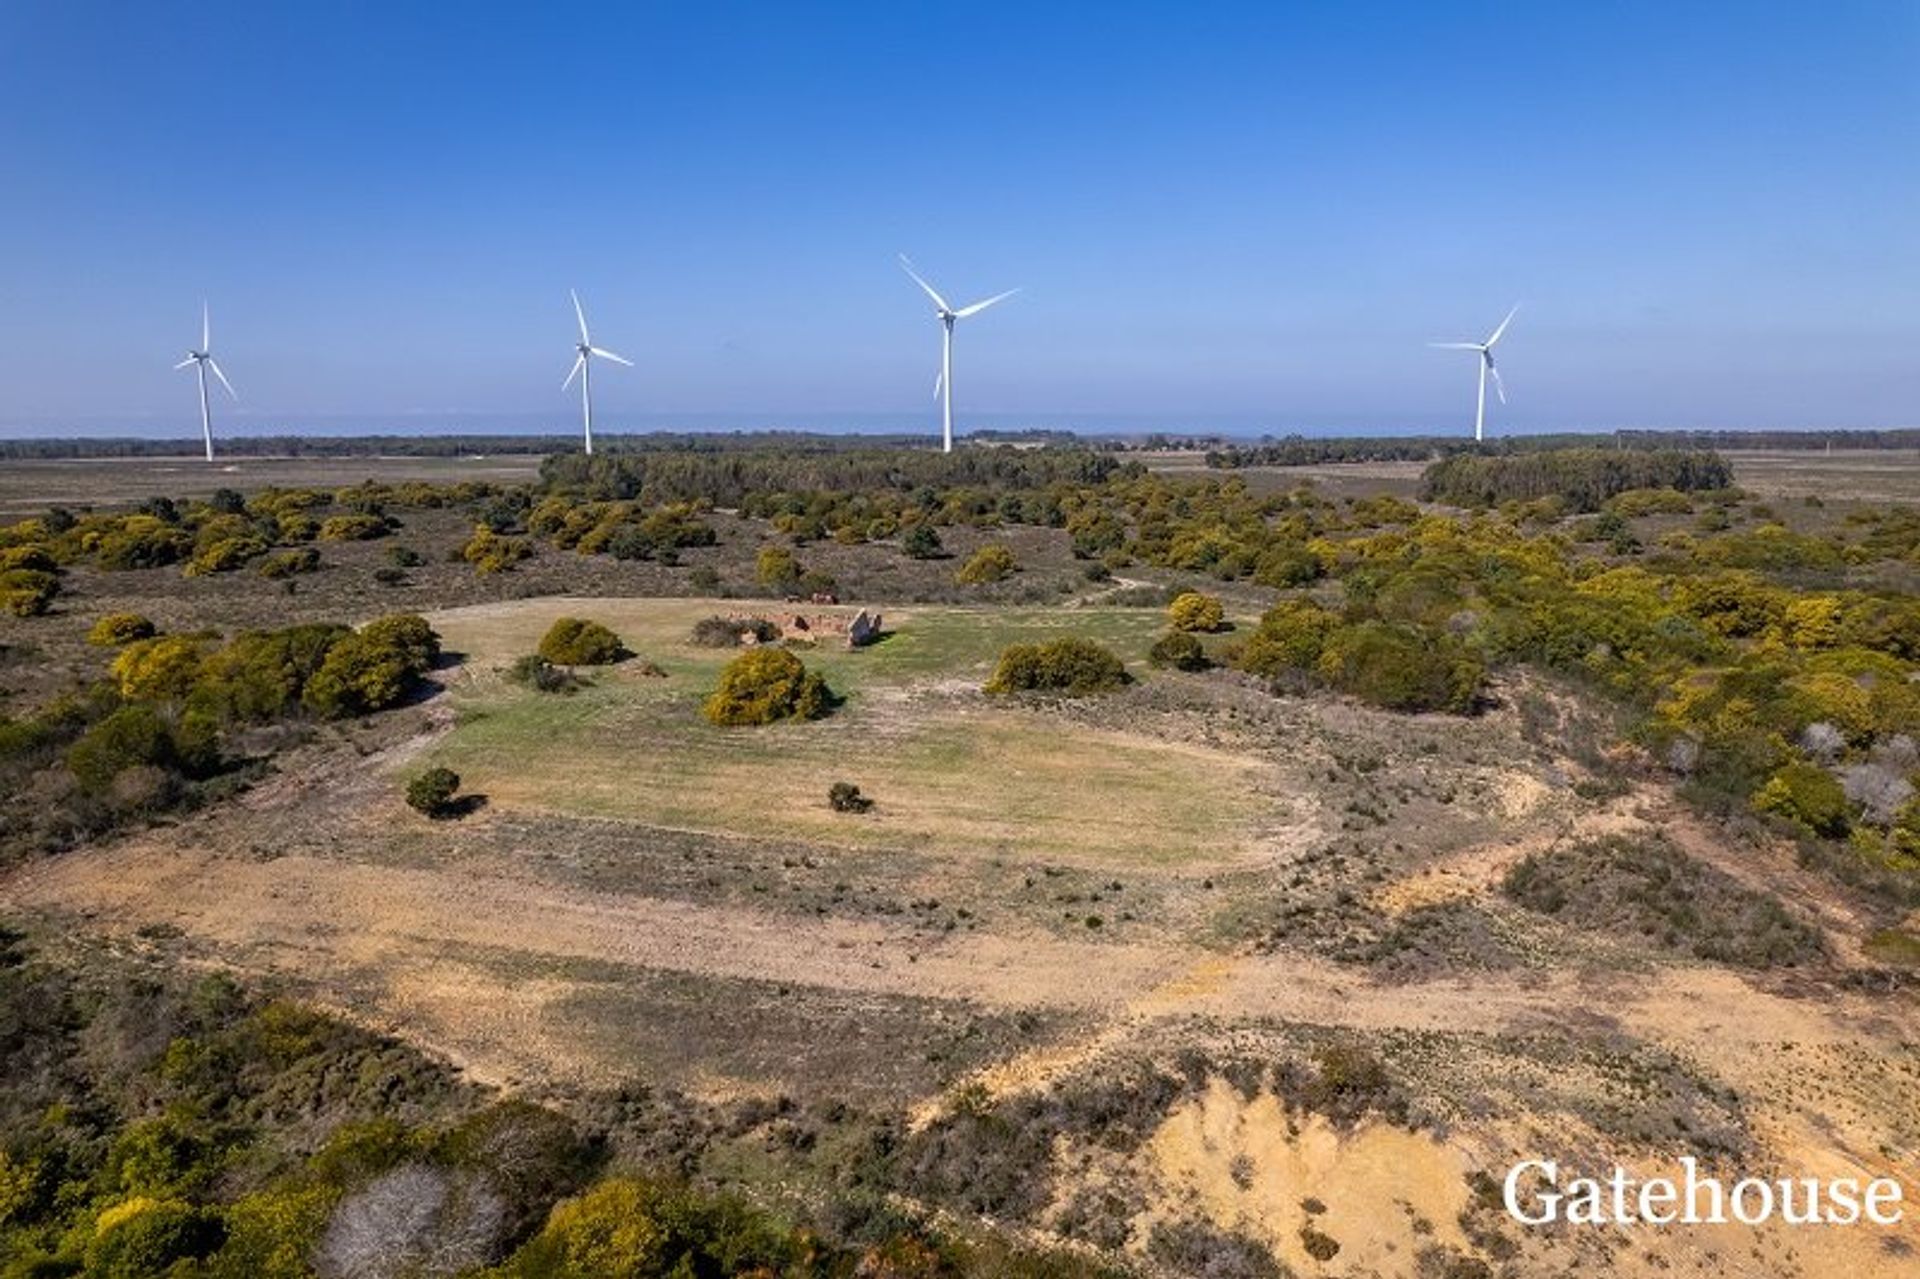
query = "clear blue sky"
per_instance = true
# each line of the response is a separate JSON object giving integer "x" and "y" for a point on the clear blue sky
{"x": 1250, "y": 216}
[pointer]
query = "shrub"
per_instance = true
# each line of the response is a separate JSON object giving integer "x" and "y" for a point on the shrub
{"x": 260, "y": 675}
{"x": 354, "y": 528}
{"x": 765, "y": 685}
{"x": 224, "y": 555}
{"x": 1195, "y": 612}
{"x": 283, "y": 564}
{"x": 1808, "y": 796}
{"x": 132, "y": 737}
{"x": 373, "y": 668}
{"x": 1400, "y": 670}
{"x": 27, "y": 592}
{"x": 776, "y": 566}
{"x": 573, "y": 641}
{"x": 140, "y": 1237}
{"x": 536, "y": 672}
{"x": 1072, "y": 666}
{"x": 1179, "y": 650}
{"x": 31, "y": 556}
{"x": 163, "y": 667}
{"x": 116, "y": 629}
{"x": 991, "y": 563}
{"x": 726, "y": 632}
{"x": 432, "y": 792}
{"x": 489, "y": 552}
{"x": 845, "y": 797}
{"x": 922, "y": 543}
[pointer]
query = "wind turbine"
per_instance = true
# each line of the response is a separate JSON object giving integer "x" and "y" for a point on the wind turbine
{"x": 943, "y": 384}
{"x": 584, "y": 351}
{"x": 1486, "y": 366}
{"x": 202, "y": 360}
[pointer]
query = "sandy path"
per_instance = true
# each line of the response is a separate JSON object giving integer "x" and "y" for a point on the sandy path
{"x": 328, "y": 921}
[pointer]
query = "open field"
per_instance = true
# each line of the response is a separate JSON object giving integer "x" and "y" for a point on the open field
{"x": 947, "y": 765}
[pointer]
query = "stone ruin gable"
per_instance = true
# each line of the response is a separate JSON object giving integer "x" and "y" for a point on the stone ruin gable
{"x": 861, "y": 629}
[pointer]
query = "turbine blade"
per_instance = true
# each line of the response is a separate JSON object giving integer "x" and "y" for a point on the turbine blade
{"x": 939, "y": 381}
{"x": 907, "y": 266}
{"x": 609, "y": 355}
{"x": 215, "y": 366}
{"x": 184, "y": 363}
{"x": 978, "y": 307}
{"x": 1456, "y": 346}
{"x": 581, "y": 316}
{"x": 206, "y": 328}
{"x": 1503, "y": 324}
{"x": 579, "y": 362}
{"x": 1499, "y": 387}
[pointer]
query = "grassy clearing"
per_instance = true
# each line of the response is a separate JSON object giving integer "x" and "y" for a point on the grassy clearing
{"x": 944, "y": 764}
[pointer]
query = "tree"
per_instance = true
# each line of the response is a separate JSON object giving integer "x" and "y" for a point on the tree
{"x": 1193, "y": 611}
{"x": 765, "y": 685}
{"x": 573, "y": 641}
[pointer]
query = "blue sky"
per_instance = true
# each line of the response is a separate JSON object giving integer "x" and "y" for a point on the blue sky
{"x": 1241, "y": 216}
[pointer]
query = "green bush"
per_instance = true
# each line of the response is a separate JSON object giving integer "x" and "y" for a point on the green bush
{"x": 159, "y": 668}
{"x": 432, "y": 792}
{"x": 489, "y": 552}
{"x": 1398, "y": 669}
{"x": 116, "y": 629}
{"x": 261, "y": 675}
{"x": 922, "y": 542}
{"x": 1193, "y": 611}
{"x": 284, "y": 564}
{"x": 727, "y": 632}
{"x": 991, "y": 563}
{"x": 225, "y": 555}
{"x": 776, "y": 566}
{"x": 536, "y": 672}
{"x": 1291, "y": 637}
{"x": 141, "y": 1237}
{"x": 845, "y": 797}
{"x": 27, "y": 592}
{"x": 354, "y": 528}
{"x": 573, "y": 641}
{"x": 1808, "y": 796}
{"x": 1179, "y": 650}
{"x": 135, "y": 736}
{"x": 373, "y": 668}
{"x": 1073, "y": 666}
{"x": 765, "y": 685}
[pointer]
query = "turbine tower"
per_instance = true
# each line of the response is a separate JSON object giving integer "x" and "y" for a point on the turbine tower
{"x": 584, "y": 352}
{"x": 202, "y": 360}
{"x": 1486, "y": 366}
{"x": 943, "y": 384}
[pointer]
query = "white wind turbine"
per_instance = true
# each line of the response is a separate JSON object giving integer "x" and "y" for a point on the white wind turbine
{"x": 202, "y": 360}
{"x": 943, "y": 384}
{"x": 1486, "y": 366}
{"x": 584, "y": 352}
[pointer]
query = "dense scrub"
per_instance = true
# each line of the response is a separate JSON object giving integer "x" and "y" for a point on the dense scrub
{"x": 160, "y": 1124}
{"x": 1584, "y": 478}
{"x": 165, "y": 728}
{"x": 574, "y": 641}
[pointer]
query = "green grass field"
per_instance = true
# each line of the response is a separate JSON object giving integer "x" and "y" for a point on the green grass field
{"x": 948, "y": 767}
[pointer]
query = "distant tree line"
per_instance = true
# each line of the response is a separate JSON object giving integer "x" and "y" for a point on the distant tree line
{"x": 1300, "y": 451}
{"x": 1583, "y": 478}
